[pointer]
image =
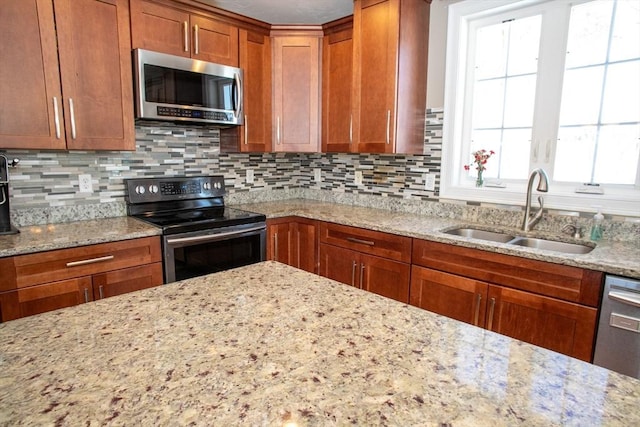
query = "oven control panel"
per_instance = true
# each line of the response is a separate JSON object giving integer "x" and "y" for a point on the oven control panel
{"x": 145, "y": 190}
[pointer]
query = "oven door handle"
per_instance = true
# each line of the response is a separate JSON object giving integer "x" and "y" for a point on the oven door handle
{"x": 214, "y": 237}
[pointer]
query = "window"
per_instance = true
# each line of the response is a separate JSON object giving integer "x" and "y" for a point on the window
{"x": 551, "y": 84}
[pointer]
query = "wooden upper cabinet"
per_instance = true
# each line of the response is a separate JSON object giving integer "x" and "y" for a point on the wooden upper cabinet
{"x": 255, "y": 61}
{"x": 296, "y": 92}
{"x": 183, "y": 32}
{"x": 390, "y": 71}
{"x": 81, "y": 101}
{"x": 337, "y": 72}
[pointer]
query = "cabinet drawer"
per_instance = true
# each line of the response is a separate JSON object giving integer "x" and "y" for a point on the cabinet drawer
{"x": 371, "y": 242}
{"x": 559, "y": 281}
{"x": 44, "y": 267}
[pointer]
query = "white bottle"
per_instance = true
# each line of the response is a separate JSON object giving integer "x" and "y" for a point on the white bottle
{"x": 596, "y": 227}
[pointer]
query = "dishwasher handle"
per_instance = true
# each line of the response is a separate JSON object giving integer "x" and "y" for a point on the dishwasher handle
{"x": 629, "y": 298}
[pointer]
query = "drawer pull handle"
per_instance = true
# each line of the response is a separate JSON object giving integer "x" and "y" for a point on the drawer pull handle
{"x": 90, "y": 261}
{"x": 492, "y": 307}
{"x": 476, "y": 316}
{"x": 362, "y": 267}
{"x": 364, "y": 242}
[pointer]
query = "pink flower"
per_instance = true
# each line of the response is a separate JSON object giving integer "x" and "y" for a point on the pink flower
{"x": 480, "y": 159}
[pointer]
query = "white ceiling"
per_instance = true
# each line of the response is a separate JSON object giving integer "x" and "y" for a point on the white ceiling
{"x": 288, "y": 11}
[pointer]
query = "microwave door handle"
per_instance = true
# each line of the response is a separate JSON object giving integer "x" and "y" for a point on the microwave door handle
{"x": 238, "y": 94}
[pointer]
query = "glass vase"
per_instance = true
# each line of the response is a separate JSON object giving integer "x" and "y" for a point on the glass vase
{"x": 479, "y": 179}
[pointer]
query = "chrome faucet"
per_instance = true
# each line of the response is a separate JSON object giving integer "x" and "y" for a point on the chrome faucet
{"x": 543, "y": 186}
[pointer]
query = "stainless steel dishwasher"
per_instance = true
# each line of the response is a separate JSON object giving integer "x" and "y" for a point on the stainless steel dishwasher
{"x": 618, "y": 341}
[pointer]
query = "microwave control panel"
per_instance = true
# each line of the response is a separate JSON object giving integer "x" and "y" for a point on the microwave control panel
{"x": 189, "y": 113}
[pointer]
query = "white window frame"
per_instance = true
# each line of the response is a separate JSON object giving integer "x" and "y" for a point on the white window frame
{"x": 618, "y": 200}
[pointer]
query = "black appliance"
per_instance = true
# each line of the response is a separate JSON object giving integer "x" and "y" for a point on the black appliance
{"x": 200, "y": 235}
{"x": 5, "y": 211}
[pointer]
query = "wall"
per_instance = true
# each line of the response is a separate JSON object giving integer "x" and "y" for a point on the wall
{"x": 44, "y": 186}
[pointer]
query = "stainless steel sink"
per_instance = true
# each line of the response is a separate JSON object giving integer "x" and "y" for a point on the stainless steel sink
{"x": 552, "y": 245}
{"x": 528, "y": 242}
{"x": 474, "y": 233}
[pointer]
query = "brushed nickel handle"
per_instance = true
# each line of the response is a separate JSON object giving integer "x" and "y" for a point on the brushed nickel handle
{"x": 275, "y": 247}
{"x": 492, "y": 307}
{"x": 185, "y": 30}
{"x": 351, "y": 129}
{"x": 476, "y": 316}
{"x": 90, "y": 261}
{"x": 362, "y": 276}
{"x": 278, "y": 130}
{"x": 196, "y": 41}
{"x": 388, "y": 125}
{"x": 101, "y": 292}
{"x": 246, "y": 130}
{"x": 213, "y": 237}
{"x": 364, "y": 242}
{"x": 86, "y": 295}
{"x": 73, "y": 118}
{"x": 353, "y": 272}
{"x": 56, "y": 116}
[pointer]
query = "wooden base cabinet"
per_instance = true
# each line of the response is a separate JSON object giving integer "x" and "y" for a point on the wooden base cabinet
{"x": 545, "y": 304}
{"x": 66, "y": 79}
{"x": 41, "y": 282}
{"x": 371, "y": 260}
{"x": 374, "y": 274}
{"x": 293, "y": 241}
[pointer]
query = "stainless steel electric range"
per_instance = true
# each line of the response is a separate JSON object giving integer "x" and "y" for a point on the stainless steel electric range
{"x": 200, "y": 235}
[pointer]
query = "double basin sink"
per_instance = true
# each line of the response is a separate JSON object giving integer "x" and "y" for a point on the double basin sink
{"x": 529, "y": 242}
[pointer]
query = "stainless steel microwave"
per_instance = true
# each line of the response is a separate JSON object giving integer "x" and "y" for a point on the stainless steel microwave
{"x": 174, "y": 88}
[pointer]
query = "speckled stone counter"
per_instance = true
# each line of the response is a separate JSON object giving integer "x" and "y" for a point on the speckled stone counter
{"x": 615, "y": 257}
{"x": 270, "y": 345}
{"x": 38, "y": 238}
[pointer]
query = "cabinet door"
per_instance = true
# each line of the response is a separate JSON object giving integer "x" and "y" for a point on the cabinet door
{"x": 279, "y": 238}
{"x": 339, "y": 264}
{"x": 214, "y": 41}
{"x": 118, "y": 282}
{"x": 376, "y": 35}
{"x": 160, "y": 28}
{"x": 255, "y": 61}
{"x": 296, "y": 86}
{"x": 337, "y": 74}
{"x": 450, "y": 295}
{"x": 30, "y": 93}
{"x": 95, "y": 69}
{"x": 385, "y": 277}
{"x": 43, "y": 298}
{"x": 294, "y": 242}
{"x": 561, "y": 326}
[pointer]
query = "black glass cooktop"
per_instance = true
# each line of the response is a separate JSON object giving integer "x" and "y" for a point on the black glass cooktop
{"x": 200, "y": 219}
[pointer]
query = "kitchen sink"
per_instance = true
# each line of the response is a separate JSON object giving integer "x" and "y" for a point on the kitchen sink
{"x": 528, "y": 242}
{"x": 475, "y": 233}
{"x": 552, "y": 245}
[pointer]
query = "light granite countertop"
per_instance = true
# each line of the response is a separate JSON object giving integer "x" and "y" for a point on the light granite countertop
{"x": 614, "y": 257}
{"x": 37, "y": 238}
{"x": 270, "y": 345}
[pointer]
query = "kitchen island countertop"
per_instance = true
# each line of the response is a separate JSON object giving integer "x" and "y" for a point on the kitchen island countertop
{"x": 268, "y": 344}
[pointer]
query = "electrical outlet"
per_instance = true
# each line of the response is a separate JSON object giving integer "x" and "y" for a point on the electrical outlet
{"x": 317, "y": 175}
{"x": 430, "y": 181}
{"x": 357, "y": 179}
{"x": 84, "y": 183}
{"x": 249, "y": 177}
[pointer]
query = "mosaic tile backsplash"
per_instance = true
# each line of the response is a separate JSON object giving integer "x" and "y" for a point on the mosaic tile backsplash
{"x": 44, "y": 186}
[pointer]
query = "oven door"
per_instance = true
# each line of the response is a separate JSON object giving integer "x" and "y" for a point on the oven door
{"x": 198, "y": 253}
